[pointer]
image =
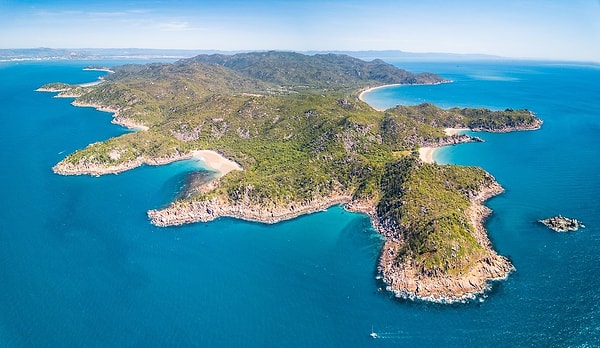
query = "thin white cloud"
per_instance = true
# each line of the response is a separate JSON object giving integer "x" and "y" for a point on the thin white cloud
{"x": 139, "y": 11}
{"x": 176, "y": 26}
{"x": 107, "y": 14}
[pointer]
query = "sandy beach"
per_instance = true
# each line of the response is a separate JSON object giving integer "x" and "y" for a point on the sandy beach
{"x": 90, "y": 84}
{"x": 214, "y": 161}
{"x": 361, "y": 94}
{"x": 455, "y": 131}
{"x": 426, "y": 154}
{"x": 99, "y": 69}
{"x": 210, "y": 159}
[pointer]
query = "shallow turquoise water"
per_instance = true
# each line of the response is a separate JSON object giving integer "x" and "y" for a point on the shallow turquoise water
{"x": 80, "y": 265}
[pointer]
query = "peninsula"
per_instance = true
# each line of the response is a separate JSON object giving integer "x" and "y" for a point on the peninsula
{"x": 294, "y": 138}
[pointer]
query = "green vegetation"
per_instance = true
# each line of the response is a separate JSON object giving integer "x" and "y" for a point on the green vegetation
{"x": 427, "y": 203}
{"x": 325, "y": 72}
{"x": 57, "y": 86}
{"x": 295, "y": 125}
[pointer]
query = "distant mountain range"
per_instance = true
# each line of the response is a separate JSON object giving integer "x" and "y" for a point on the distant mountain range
{"x": 137, "y": 53}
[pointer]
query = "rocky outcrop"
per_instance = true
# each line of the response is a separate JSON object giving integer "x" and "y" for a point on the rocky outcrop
{"x": 96, "y": 169}
{"x": 562, "y": 224}
{"x": 452, "y": 140}
{"x": 533, "y": 124}
{"x": 402, "y": 279}
{"x": 117, "y": 118}
{"x": 183, "y": 212}
{"x": 406, "y": 281}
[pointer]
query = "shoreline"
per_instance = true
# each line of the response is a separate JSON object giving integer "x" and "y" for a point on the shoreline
{"x": 183, "y": 212}
{"x": 108, "y": 70}
{"x": 455, "y": 131}
{"x": 402, "y": 280}
{"x": 214, "y": 161}
{"x": 116, "y": 118}
{"x": 211, "y": 159}
{"x": 408, "y": 283}
{"x": 427, "y": 153}
{"x": 371, "y": 89}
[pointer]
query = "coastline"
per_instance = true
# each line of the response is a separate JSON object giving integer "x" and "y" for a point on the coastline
{"x": 184, "y": 212}
{"x": 455, "y": 131}
{"x": 371, "y": 89}
{"x": 211, "y": 159}
{"x": 427, "y": 153}
{"x": 116, "y": 118}
{"x": 409, "y": 283}
{"x": 401, "y": 279}
{"x": 100, "y": 80}
{"x": 108, "y": 70}
{"x": 214, "y": 161}
{"x": 363, "y": 92}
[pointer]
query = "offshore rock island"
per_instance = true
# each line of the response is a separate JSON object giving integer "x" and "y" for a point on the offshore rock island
{"x": 561, "y": 223}
{"x": 293, "y": 137}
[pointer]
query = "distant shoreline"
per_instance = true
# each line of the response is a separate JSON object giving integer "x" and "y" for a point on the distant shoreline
{"x": 368, "y": 90}
{"x": 108, "y": 70}
{"x": 361, "y": 95}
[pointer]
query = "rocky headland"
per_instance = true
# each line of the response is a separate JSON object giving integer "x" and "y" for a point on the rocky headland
{"x": 401, "y": 278}
{"x": 409, "y": 282}
{"x": 98, "y": 169}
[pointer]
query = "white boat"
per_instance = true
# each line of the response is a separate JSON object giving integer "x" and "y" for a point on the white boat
{"x": 373, "y": 334}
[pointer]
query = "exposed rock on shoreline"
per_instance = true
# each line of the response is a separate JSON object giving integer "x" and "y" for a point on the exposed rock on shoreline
{"x": 183, "y": 212}
{"x": 408, "y": 282}
{"x": 97, "y": 169}
{"x": 117, "y": 119}
{"x": 453, "y": 140}
{"x": 402, "y": 279}
{"x": 535, "y": 124}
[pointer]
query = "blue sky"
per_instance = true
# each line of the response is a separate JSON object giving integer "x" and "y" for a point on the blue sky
{"x": 547, "y": 29}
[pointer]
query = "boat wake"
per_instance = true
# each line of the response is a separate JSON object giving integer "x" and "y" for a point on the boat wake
{"x": 388, "y": 335}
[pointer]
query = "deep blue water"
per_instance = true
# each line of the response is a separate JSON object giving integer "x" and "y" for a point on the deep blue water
{"x": 80, "y": 265}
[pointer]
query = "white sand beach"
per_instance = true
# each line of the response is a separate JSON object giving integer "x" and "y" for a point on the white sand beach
{"x": 426, "y": 154}
{"x": 455, "y": 131}
{"x": 214, "y": 161}
{"x": 361, "y": 95}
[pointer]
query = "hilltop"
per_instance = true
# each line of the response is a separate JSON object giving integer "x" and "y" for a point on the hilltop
{"x": 326, "y": 71}
{"x": 305, "y": 142}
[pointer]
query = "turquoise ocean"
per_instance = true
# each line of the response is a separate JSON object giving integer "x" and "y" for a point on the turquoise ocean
{"x": 81, "y": 266}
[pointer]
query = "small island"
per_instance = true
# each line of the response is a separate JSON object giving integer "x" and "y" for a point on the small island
{"x": 560, "y": 223}
{"x": 293, "y": 137}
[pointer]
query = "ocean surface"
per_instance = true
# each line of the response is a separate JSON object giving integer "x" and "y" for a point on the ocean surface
{"x": 81, "y": 266}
